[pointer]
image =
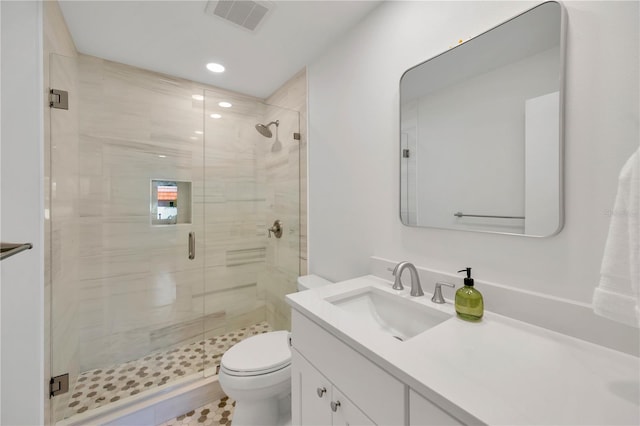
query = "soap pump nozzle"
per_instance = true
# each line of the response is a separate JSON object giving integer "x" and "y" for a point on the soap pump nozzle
{"x": 467, "y": 281}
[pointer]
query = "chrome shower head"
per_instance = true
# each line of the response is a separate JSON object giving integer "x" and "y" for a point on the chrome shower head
{"x": 264, "y": 128}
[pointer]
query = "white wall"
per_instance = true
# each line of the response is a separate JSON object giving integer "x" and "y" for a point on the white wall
{"x": 353, "y": 146}
{"x": 22, "y": 219}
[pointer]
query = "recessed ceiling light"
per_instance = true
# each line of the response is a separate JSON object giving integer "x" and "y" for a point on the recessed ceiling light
{"x": 198, "y": 132}
{"x": 162, "y": 156}
{"x": 215, "y": 116}
{"x": 198, "y": 97}
{"x": 224, "y": 104}
{"x": 213, "y": 67}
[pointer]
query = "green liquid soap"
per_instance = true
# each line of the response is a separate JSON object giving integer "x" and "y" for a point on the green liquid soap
{"x": 468, "y": 302}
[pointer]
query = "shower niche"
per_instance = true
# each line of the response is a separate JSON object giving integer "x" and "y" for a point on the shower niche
{"x": 170, "y": 202}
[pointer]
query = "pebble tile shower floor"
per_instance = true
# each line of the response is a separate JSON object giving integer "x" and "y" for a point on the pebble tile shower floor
{"x": 95, "y": 388}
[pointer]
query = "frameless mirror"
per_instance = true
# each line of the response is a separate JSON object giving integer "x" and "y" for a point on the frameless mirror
{"x": 481, "y": 131}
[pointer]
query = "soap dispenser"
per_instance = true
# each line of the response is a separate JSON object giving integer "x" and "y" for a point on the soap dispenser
{"x": 469, "y": 303}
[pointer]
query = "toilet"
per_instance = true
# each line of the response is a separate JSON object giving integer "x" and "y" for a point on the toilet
{"x": 256, "y": 373}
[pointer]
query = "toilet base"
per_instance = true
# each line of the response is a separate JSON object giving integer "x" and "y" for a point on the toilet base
{"x": 264, "y": 412}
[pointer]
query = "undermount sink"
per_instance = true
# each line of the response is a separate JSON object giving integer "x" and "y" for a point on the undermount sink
{"x": 393, "y": 314}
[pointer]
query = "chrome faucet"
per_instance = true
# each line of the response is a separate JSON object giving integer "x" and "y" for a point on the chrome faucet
{"x": 416, "y": 288}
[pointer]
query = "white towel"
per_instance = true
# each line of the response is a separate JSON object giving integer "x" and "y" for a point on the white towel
{"x": 617, "y": 297}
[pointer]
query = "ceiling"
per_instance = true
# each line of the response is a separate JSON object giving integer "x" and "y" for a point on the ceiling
{"x": 179, "y": 39}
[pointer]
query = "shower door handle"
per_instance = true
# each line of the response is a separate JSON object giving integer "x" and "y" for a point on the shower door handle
{"x": 192, "y": 245}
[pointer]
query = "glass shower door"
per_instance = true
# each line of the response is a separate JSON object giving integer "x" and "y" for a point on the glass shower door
{"x": 140, "y": 164}
{"x": 126, "y": 214}
{"x": 252, "y": 181}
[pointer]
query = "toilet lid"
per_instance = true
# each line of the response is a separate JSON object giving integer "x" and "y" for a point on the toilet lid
{"x": 260, "y": 354}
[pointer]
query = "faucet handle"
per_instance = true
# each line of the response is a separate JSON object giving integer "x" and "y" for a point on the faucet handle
{"x": 276, "y": 229}
{"x": 437, "y": 293}
{"x": 397, "y": 283}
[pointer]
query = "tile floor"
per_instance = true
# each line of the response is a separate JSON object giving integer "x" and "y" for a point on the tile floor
{"x": 95, "y": 388}
{"x": 217, "y": 413}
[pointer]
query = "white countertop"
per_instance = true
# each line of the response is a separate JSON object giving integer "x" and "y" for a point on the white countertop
{"x": 497, "y": 371}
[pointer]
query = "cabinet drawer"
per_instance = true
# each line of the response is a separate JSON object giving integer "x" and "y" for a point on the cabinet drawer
{"x": 373, "y": 390}
{"x": 424, "y": 412}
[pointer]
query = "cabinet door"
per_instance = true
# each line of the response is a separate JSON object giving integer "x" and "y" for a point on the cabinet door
{"x": 310, "y": 393}
{"x": 346, "y": 413}
{"x": 424, "y": 412}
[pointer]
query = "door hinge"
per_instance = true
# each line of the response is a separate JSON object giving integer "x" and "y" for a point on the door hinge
{"x": 58, "y": 99}
{"x": 405, "y": 153}
{"x": 296, "y": 136}
{"x": 59, "y": 385}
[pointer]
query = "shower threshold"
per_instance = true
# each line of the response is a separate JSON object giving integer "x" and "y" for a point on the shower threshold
{"x": 159, "y": 371}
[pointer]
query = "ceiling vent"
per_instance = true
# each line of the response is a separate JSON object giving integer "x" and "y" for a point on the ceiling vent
{"x": 244, "y": 13}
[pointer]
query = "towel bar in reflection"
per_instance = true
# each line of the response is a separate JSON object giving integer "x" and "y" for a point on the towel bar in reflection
{"x": 460, "y": 214}
{"x": 9, "y": 249}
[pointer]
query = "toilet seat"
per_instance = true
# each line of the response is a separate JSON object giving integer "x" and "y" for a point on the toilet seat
{"x": 258, "y": 355}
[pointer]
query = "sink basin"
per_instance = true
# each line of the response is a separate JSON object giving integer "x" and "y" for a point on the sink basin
{"x": 393, "y": 314}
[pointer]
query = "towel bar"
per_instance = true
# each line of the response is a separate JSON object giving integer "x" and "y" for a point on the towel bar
{"x": 460, "y": 214}
{"x": 9, "y": 249}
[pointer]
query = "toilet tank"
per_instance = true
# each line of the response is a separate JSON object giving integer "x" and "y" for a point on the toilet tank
{"x": 307, "y": 282}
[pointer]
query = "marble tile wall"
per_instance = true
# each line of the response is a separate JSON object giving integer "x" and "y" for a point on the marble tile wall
{"x": 293, "y": 95}
{"x": 286, "y": 199}
{"x": 234, "y": 200}
{"x": 133, "y": 278}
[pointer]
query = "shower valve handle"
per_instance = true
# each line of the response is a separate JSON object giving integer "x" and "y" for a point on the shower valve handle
{"x": 276, "y": 229}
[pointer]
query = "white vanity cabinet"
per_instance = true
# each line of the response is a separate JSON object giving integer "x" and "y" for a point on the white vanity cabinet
{"x": 316, "y": 401}
{"x": 339, "y": 332}
{"x": 367, "y": 394}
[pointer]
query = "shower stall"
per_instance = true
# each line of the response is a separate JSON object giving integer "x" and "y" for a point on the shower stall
{"x": 162, "y": 194}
